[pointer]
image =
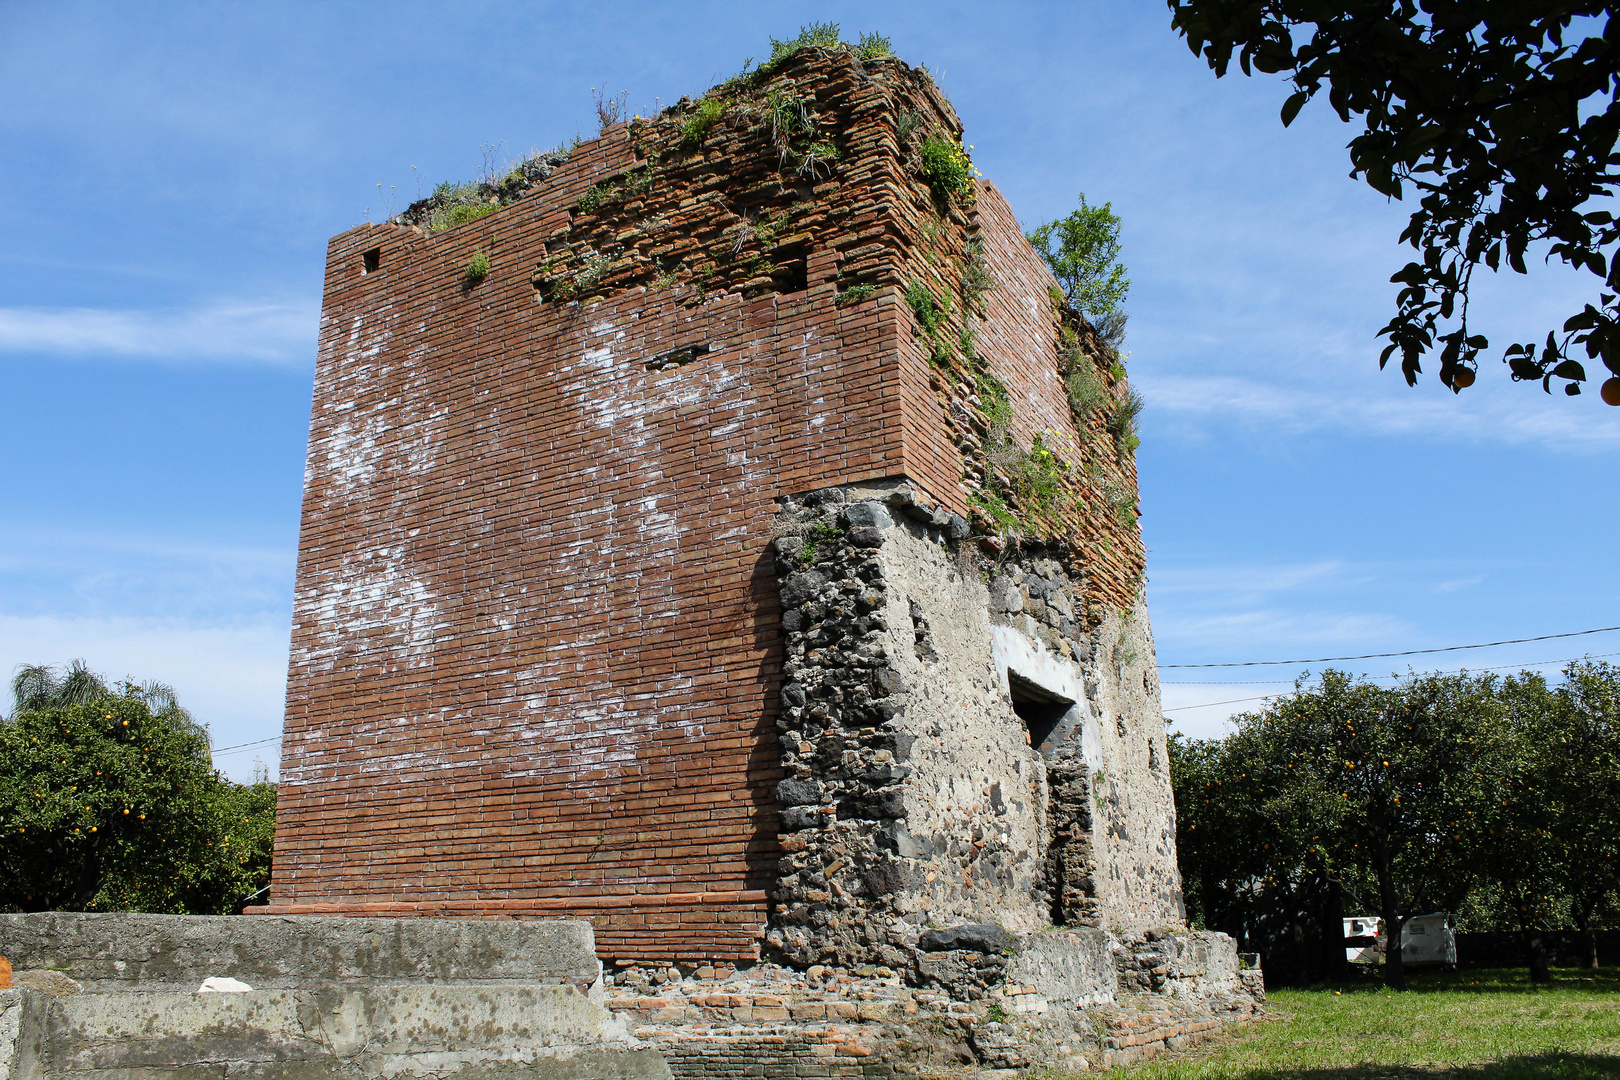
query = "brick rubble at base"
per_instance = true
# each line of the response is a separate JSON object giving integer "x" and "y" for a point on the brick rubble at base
{"x": 867, "y": 1021}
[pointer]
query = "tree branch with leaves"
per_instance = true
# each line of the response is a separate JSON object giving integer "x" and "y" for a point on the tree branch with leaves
{"x": 1501, "y": 117}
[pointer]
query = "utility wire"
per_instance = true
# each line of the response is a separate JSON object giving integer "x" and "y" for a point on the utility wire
{"x": 1263, "y": 697}
{"x": 1207, "y": 704}
{"x": 246, "y": 745}
{"x": 1282, "y": 682}
{"x": 1407, "y": 652}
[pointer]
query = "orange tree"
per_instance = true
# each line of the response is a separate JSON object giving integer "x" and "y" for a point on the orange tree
{"x": 1586, "y": 764}
{"x": 1345, "y": 788}
{"x": 1554, "y": 815}
{"x": 109, "y": 801}
{"x": 1501, "y": 118}
{"x": 1252, "y": 865}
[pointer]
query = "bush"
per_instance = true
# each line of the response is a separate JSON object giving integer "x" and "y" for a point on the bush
{"x": 814, "y": 35}
{"x": 946, "y": 168}
{"x": 1086, "y": 261}
{"x": 702, "y": 119}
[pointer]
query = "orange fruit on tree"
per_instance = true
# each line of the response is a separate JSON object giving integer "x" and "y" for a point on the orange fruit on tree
{"x": 1611, "y": 391}
{"x": 1462, "y": 378}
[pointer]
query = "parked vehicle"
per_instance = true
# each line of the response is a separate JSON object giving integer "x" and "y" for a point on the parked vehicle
{"x": 1361, "y": 939}
{"x": 1425, "y": 940}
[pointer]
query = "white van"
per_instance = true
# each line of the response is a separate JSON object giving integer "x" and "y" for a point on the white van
{"x": 1425, "y": 940}
{"x": 1361, "y": 939}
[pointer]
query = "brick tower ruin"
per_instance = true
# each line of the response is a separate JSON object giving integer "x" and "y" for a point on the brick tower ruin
{"x": 725, "y": 534}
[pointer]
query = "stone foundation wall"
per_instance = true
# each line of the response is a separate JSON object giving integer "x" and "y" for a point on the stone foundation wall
{"x": 476, "y": 1000}
{"x": 1068, "y": 999}
{"x": 128, "y": 951}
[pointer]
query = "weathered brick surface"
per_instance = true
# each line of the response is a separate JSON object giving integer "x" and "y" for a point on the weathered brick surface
{"x": 536, "y": 644}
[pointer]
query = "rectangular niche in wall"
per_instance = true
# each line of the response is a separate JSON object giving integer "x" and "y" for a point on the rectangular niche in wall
{"x": 1040, "y": 710}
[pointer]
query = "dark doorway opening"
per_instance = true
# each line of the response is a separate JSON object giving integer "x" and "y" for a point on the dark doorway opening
{"x": 1039, "y": 709}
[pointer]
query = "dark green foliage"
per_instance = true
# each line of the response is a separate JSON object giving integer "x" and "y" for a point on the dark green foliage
{"x": 477, "y": 268}
{"x": 1554, "y": 840}
{"x": 109, "y": 801}
{"x": 1086, "y": 260}
{"x": 1505, "y": 130}
{"x": 1341, "y": 790}
{"x": 1400, "y": 801}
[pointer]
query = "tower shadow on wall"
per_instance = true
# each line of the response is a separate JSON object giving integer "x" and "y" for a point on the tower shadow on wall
{"x": 765, "y": 752}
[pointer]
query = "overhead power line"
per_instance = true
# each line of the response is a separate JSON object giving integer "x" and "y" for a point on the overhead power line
{"x": 1207, "y": 704}
{"x": 246, "y": 745}
{"x": 1264, "y": 697}
{"x": 1407, "y": 652}
{"x": 1283, "y": 682}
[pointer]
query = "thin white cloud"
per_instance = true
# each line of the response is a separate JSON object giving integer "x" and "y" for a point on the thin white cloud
{"x": 1199, "y": 400}
{"x": 1245, "y": 634}
{"x": 224, "y": 331}
{"x": 1252, "y": 579}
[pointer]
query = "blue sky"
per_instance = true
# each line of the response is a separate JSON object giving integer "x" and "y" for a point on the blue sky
{"x": 173, "y": 173}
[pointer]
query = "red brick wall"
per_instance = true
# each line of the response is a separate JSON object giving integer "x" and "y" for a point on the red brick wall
{"x": 535, "y": 643}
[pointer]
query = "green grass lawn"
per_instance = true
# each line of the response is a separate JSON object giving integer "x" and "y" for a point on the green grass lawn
{"x": 1490, "y": 1025}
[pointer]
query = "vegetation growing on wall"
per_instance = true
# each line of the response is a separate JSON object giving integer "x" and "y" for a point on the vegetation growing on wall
{"x": 1049, "y": 488}
{"x": 786, "y": 130}
{"x": 1085, "y": 260}
{"x": 948, "y": 170}
{"x": 453, "y": 204}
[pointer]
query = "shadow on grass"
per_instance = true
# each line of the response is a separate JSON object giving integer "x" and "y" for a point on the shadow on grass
{"x": 1479, "y": 981}
{"x": 1551, "y": 1066}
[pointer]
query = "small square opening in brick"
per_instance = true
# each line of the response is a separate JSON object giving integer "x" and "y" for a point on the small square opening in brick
{"x": 371, "y": 261}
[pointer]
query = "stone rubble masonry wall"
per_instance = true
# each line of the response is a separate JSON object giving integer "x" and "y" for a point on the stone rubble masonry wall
{"x": 481, "y": 999}
{"x": 912, "y": 795}
{"x": 537, "y": 642}
{"x": 1065, "y": 999}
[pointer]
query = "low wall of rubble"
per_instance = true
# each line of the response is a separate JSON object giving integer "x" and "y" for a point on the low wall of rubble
{"x": 1070, "y": 999}
{"x": 117, "y": 997}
